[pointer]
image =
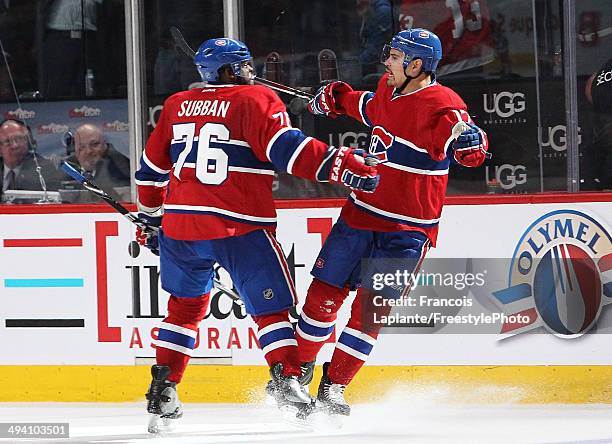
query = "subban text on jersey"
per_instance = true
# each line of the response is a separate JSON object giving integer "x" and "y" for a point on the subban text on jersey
{"x": 216, "y": 108}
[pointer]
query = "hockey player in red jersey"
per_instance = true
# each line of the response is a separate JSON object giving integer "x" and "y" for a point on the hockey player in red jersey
{"x": 418, "y": 127}
{"x": 208, "y": 167}
{"x": 463, "y": 26}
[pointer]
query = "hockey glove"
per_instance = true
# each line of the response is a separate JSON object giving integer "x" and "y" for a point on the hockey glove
{"x": 349, "y": 167}
{"x": 147, "y": 236}
{"x": 470, "y": 147}
{"x": 324, "y": 101}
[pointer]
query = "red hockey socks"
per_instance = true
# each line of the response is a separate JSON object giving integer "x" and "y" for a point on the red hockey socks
{"x": 178, "y": 332}
{"x": 318, "y": 318}
{"x": 277, "y": 341}
{"x": 357, "y": 339}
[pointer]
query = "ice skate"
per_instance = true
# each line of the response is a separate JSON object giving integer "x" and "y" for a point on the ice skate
{"x": 162, "y": 401}
{"x": 330, "y": 396}
{"x": 305, "y": 378}
{"x": 290, "y": 395}
{"x": 307, "y": 373}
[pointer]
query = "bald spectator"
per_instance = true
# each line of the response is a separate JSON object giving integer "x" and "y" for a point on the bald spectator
{"x": 98, "y": 160}
{"x": 18, "y": 161}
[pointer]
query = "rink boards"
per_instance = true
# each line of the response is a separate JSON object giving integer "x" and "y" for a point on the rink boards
{"x": 81, "y": 309}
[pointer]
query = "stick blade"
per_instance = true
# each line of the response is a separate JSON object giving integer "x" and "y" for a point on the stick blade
{"x": 72, "y": 172}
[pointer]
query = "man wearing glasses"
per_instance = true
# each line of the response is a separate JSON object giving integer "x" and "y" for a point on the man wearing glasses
{"x": 100, "y": 161}
{"x": 19, "y": 162}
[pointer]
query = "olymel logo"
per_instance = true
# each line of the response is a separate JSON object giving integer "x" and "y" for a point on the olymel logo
{"x": 560, "y": 275}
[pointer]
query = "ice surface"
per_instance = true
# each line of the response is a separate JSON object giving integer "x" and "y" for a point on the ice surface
{"x": 405, "y": 420}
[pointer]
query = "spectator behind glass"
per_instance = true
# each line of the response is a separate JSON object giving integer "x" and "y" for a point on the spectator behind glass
{"x": 100, "y": 161}
{"x": 19, "y": 160}
{"x": 376, "y": 23}
{"x": 69, "y": 47}
{"x": 596, "y": 159}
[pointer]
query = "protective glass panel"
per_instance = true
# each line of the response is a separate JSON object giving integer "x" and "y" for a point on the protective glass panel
{"x": 168, "y": 69}
{"x": 594, "y": 89}
{"x": 63, "y": 74}
{"x": 488, "y": 58}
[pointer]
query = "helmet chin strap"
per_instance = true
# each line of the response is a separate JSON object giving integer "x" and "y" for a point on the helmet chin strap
{"x": 241, "y": 78}
{"x": 408, "y": 79}
{"x": 236, "y": 79}
{"x": 244, "y": 80}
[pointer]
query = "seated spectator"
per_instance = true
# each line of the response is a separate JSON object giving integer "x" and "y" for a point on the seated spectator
{"x": 99, "y": 160}
{"x": 19, "y": 161}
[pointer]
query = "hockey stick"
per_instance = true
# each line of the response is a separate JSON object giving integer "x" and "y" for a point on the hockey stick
{"x": 95, "y": 189}
{"x": 284, "y": 88}
{"x": 143, "y": 225}
{"x": 189, "y": 52}
{"x": 181, "y": 43}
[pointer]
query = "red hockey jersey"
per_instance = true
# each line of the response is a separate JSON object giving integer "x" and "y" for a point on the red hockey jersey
{"x": 211, "y": 160}
{"x": 462, "y": 26}
{"x": 411, "y": 135}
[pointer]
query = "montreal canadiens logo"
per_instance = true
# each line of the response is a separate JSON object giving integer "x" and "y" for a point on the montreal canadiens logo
{"x": 560, "y": 275}
{"x": 423, "y": 34}
{"x": 380, "y": 141}
{"x": 220, "y": 42}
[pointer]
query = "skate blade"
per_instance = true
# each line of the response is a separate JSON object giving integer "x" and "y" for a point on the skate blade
{"x": 158, "y": 425}
{"x": 270, "y": 400}
{"x": 296, "y": 416}
{"x": 321, "y": 420}
{"x": 332, "y": 422}
{"x": 325, "y": 419}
